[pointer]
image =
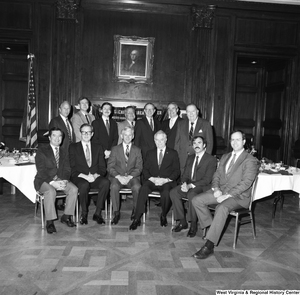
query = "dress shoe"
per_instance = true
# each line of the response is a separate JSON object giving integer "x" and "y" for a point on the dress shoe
{"x": 116, "y": 218}
{"x": 98, "y": 219}
{"x": 135, "y": 223}
{"x": 163, "y": 220}
{"x": 179, "y": 227}
{"x": 50, "y": 228}
{"x": 83, "y": 219}
{"x": 192, "y": 232}
{"x": 67, "y": 221}
{"x": 204, "y": 252}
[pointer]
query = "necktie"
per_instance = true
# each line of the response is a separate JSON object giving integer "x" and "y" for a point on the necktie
{"x": 195, "y": 169}
{"x": 87, "y": 119}
{"x": 191, "y": 133}
{"x": 151, "y": 124}
{"x": 231, "y": 163}
{"x": 69, "y": 130}
{"x": 107, "y": 126}
{"x": 88, "y": 155}
{"x": 132, "y": 124}
{"x": 127, "y": 152}
{"x": 160, "y": 157}
{"x": 57, "y": 156}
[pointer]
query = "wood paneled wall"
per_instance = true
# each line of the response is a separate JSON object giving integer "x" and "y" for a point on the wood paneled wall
{"x": 76, "y": 58}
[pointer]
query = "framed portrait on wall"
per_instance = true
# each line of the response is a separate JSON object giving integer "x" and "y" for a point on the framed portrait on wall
{"x": 133, "y": 59}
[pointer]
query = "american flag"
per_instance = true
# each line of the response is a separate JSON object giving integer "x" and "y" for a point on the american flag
{"x": 28, "y": 132}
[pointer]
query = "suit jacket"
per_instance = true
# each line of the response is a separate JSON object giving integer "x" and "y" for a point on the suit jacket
{"x": 121, "y": 126}
{"x": 204, "y": 173}
{"x": 59, "y": 122}
{"x": 101, "y": 136}
{"x": 144, "y": 136}
{"x": 239, "y": 180}
{"x": 171, "y": 133}
{"x": 117, "y": 163}
{"x": 78, "y": 160}
{"x": 46, "y": 166}
{"x": 184, "y": 146}
{"x": 77, "y": 120}
{"x": 169, "y": 167}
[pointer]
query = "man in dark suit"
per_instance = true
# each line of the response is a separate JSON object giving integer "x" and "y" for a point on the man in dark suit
{"x": 189, "y": 128}
{"x": 88, "y": 171}
{"x": 145, "y": 129}
{"x": 62, "y": 122}
{"x": 53, "y": 174}
{"x": 105, "y": 130}
{"x": 128, "y": 122}
{"x": 82, "y": 116}
{"x": 161, "y": 170}
{"x": 124, "y": 166}
{"x": 196, "y": 178}
{"x": 170, "y": 125}
{"x": 230, "y": 189}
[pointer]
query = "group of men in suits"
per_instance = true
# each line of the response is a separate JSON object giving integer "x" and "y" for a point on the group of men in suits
{"x": 150, "y": 156}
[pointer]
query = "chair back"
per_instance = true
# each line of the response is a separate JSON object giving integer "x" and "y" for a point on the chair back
{"x": 253, "y": 189}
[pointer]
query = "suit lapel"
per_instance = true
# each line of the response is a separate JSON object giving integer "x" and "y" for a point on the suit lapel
{"x": 237, "y": 163}
{"x": 50, "y": 154}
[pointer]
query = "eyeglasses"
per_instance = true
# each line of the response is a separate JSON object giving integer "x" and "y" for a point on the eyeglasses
{"x": 86, "y": 132}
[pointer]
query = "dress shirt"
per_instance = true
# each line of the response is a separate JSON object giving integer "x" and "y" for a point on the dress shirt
{"x": 84, "y": 149}
{"x": 194, "y": 125}
{"x": 172, "y": 121}
{"x": 125, "y": 146}
{"x": 158, "y": 152}
{"x": 65, "y": 121}
{"x": 130, "y": 123}
{"x": 149, "y": 121}
{"x": 237, "y": 155}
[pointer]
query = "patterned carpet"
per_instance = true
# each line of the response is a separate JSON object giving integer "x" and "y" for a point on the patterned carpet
{"x": 152, "y": 260}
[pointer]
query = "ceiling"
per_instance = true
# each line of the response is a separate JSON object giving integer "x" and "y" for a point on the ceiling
{"x": 292, "y": 2}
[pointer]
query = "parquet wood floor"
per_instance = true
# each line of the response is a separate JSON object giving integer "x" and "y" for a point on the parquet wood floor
{"x": 111, "y": 260}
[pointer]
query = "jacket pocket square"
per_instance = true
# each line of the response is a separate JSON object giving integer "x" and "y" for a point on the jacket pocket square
{"x": 200, "y": 131}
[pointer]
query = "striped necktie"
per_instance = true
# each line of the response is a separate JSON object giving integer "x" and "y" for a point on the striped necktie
{"x": 87, "y": 119}
{"x": 57, "y": 156}
{"x": 231, "y": 163}
{"x": 69, "y": 130}
{"x": 107, "y": 126}
{"x": 191, "y": 133}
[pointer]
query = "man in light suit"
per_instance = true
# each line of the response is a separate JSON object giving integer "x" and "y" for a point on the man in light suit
{"x": 161, "y": 171}
{"x": 62, "y": 122}
{"x": 53, "y": 174}
{"x": 196, "y": 178}
{"x": 230, "y": 189}
{"x": 106, "y": 130}
{"x": 129, "y": 122}
{"x": 88, "y": 171}
{"x": 124, "y": 166}
{"x": 189, "y": 128}
{"x": 145, "y": 129}
{"x": 170, "y": 125}
{"x": 82, "y": 116}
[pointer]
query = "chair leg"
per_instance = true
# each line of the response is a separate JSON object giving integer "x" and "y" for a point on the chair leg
{"x": 105, "y": 208}
{"x": 253, "y": 225}
{"x": 204, "y": 233}
{"x": 173, "y": 221}
{"x": 144, "y": 217}
{"x": 36, "y": 208}
{"x": 77, "y": 212}
{"x": 42, "y": 212}
{"x": 236, "y": 230}
{"x": 110, "y": 210}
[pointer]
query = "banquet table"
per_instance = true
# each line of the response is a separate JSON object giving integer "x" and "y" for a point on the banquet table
{"x": 21, "y": 176}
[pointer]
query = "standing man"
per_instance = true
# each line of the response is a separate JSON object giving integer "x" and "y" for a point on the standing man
{"x": 82, "y": 116}
{"x": 230, "y": 188}
{"x": 196, "y": 178}
{"x": 53, "y": 174}
{"x": 124, "y": 166}
{"x": 62, "y": 122}
{"x": 106, "y": 130}
{"x": 189, "y": 128}
{"x": 128, "y": 122}
{"x": 145, "y": 129}
{"x": 161, "y": 170}
{"x": 88, "y": 171}
{"x": 170, "y": 126}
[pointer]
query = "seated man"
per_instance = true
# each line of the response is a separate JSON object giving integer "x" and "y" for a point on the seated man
{"x": 124, "y": 167}
{"x": 196, "y": 178}
{"x": 230, "y": 188}
{"x": 161, "y": 170}
{"x": 53, "y": 174}
{"x": 88, "y": 171}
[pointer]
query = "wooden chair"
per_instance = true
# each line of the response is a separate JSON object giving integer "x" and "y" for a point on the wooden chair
{"x": 238, "y": 214}
{"x": 40, "y": 200}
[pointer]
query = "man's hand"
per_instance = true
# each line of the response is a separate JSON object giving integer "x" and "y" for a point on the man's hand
{"x": 60, "y": 185}
{"x": 89, "y": 177}
{"x": 158, "y": 181}
{"x": 217, "y": 193}
{"x": 222, "y": 198}
{"x": 107, "y": 154}
{"x": 123, "y": 179}
{"x": 184, "y": 187}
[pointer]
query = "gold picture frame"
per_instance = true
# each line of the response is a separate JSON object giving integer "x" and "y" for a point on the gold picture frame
{"x": 133, "y": 59}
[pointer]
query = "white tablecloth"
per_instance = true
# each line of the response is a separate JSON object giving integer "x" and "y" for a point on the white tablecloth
{"x": 20, "y": 176}
{"x": 267, "y": 184}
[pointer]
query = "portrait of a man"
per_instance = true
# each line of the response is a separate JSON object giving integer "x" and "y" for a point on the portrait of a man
{"x": 133, "y": 61}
